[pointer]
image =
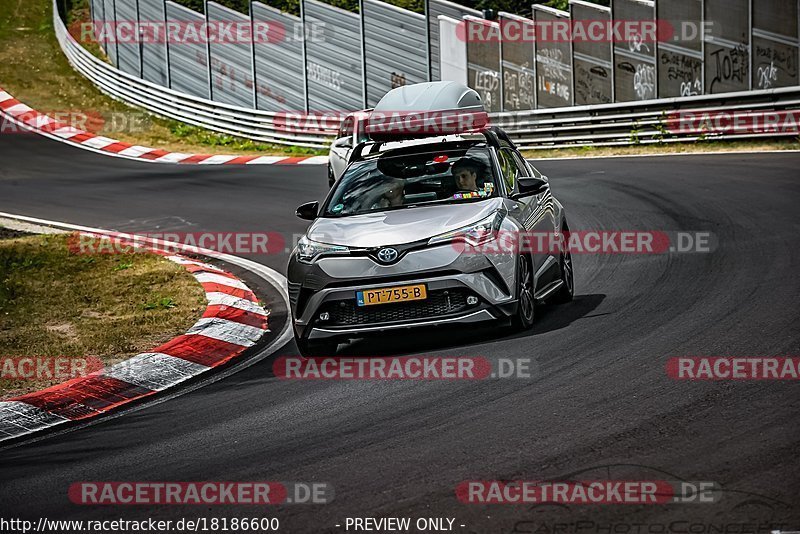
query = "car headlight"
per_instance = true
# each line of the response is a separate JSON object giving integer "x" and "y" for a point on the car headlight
{"x": 308, "y": 250}
{"x": 475, "y": 234}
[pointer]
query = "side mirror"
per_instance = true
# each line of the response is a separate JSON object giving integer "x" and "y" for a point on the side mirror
{"x": 530, "y": 186}
{"x": 343, "y": 142}
{"x": 308, "y": 211}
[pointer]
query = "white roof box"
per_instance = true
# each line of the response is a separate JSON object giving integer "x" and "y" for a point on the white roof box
{"x": 427, "y": 109}
{"x": 431, "y": 96}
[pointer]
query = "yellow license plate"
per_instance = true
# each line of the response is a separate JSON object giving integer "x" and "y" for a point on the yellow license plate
{"x": 388, "y": 295}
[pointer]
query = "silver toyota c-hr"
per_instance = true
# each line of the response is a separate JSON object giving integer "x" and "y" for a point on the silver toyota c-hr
{"x": 402, "y": 241}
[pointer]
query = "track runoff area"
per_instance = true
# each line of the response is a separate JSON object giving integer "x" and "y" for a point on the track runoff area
{"x": 681, "y": 336}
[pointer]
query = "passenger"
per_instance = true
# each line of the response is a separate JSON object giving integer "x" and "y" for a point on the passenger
{"x": 465, "y": 171}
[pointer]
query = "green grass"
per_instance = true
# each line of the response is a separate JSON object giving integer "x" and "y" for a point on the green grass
{"x": 665, "y": 148}
{"x": 33, "y": 69}
{"x": 56, "y": 303}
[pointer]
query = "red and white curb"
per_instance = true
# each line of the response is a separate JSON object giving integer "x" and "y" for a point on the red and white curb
{"x": 31, "y": 120}
{"x": 233, "y": 321}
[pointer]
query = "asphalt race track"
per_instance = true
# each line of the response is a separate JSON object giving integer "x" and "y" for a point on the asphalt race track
{"x": 600, "y": 406}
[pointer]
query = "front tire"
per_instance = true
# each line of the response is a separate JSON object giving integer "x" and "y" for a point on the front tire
{"x": 311, "y": 349}
{"x": 526, "y": 303}
{"x": 567, "y": 290}
{"x": 315, "y": 349}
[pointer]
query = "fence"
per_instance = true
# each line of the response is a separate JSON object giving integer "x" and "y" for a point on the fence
{"x": 246, "y": 90}
{"x": 332, "y": 59}
{"x": 255, "y": 124}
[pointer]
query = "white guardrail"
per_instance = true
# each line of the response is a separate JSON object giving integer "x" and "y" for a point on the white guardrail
{"x": 645, "y": 122}
{"x": 233, "y": 120}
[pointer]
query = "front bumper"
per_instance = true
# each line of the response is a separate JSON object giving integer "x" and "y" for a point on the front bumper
{"x": 318, "y": 333}
{"x": 462, "y": 289}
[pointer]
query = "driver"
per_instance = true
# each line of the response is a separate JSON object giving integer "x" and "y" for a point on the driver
{"x": 465, "y": 171}
{"x": 393, "y": 196}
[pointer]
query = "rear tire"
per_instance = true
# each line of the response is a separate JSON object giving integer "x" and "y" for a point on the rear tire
{"x": 526, "y": 303}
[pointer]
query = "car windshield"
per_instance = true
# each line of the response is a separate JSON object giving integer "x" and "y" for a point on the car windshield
{"x": 405, "y": 179}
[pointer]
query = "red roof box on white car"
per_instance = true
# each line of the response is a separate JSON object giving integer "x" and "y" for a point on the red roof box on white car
{"x": 425, "y": 110}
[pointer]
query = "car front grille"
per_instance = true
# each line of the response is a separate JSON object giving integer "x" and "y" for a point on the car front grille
{"x": 439, "y": 303}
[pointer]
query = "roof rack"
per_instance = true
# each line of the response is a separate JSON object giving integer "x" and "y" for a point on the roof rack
{"x": 492, "y": 135}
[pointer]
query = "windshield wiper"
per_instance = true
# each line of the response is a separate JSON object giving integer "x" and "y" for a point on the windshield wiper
{"x": 445, "y": 201}
{"x": 414, "y": 205}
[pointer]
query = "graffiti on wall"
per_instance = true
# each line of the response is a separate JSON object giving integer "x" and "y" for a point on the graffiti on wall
{"x": 730, "y": 66}
{"x": 518, "y": 88}
{"x": 553, "y": 77}
{"x": 772, "y": 64}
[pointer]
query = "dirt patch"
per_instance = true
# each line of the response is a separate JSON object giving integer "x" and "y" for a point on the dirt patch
{"x": 8, "y": 233}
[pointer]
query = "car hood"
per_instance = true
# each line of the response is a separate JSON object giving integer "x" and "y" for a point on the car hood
{"x": 397, "y": 227}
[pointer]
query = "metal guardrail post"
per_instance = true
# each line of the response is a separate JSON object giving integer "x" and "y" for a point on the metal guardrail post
{"x": 101, "y": 43}
{"x": 114, "y": 25}
{"x": 703, "y": 45}
{"x": 166, "y": 44}
{"x": 613, "y": 60}
{"x": 305, "y": 53}
{"x": 208, "y": 54}
{"x": 254, "y": 75}
{"x": 502, "y": 68}
{"x": 140, "y": 35}
{"x": 535, "y": 68}
{"x": 426, "y": 11}
{"x": 572, "y": 60}
{"x": 750, "y": 43}
{"x": 363, "y": 55}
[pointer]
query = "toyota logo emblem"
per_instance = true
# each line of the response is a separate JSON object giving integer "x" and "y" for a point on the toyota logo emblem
{"x": 387, "y": 255}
